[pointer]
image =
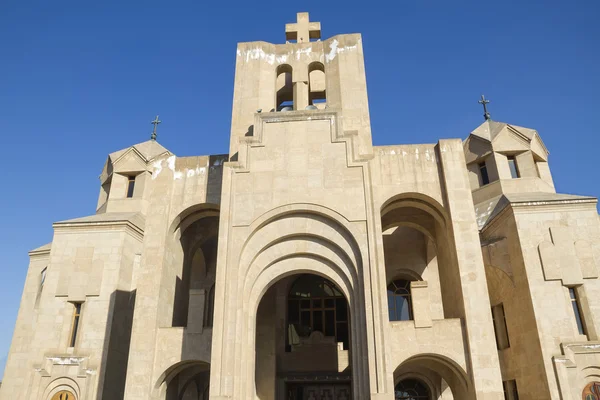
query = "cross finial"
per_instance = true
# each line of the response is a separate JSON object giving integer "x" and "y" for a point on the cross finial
{"x": 155, "y": 123}
{"x": 485, "y": 102}
{"x": 303, "y": 30}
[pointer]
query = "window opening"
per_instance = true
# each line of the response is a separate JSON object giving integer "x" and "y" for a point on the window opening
{"x": 510, "y": 390}
{"x": 43, "y": 278}
{"x": 500, "y": 327}
{"x": 75, "y": 324}
{"x": 485, "y": 179}
{"x": 399, "y": 300}
{"x": 577, "y": 310}
{"x": 512, "y": 165}
{"x": 130, "y": 186}
{"x": 411, "y": 389}
{"x": 316, "y": 304}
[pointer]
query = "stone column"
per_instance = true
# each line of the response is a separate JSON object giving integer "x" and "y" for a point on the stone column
{"x": 485, "y": 367}
{"x": 420, "y": 303}
{"x": 140, "y": 366}
{"x": 197, "y": 306}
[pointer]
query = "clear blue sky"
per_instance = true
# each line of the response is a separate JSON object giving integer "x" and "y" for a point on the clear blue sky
{"x": 81, "y": 79}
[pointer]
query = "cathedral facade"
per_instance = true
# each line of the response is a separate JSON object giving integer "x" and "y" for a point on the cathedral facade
{"x": 308, "y": 264}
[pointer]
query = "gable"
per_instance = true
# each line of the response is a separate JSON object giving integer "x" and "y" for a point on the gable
{"x": 476, "y": 148}
{"x": 131, "y": 161}
{"x": 509, "y": 140}
{"x": 538, "y": 148}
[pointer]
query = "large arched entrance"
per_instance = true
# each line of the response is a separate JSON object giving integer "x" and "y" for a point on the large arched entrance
{"x": 303, "y": 341}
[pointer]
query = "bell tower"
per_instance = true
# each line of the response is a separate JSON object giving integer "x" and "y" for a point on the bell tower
{"x": 304, "y": 74}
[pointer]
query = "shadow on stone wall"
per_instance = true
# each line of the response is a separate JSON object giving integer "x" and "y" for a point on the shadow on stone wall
{"x": 117, "y": 339}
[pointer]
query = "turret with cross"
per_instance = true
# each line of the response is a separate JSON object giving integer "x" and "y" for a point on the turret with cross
{"x": 303, "y": 30}
{"x": 485, "y": 102}
{"x": 155, "y": 123}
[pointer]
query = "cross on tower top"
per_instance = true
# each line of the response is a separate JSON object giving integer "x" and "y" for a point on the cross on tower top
{"x": 155, "y": 123}
{"x": 303, "y": 30}
{"x": 485, "y": 102}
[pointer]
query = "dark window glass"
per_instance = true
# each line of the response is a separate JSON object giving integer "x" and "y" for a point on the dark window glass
{"x": 342, "y": 334}
{"x": 485, "y": 179}
{"x": 341, "y": 310}
{"x": 512, "y": 165}
{"x": 75, "y": 324}
{"x": 318, "y": 321}
{"x": 399, "y": 301}
{"x": 330, "y": 323}
{"x": 315, "y": 304}
{"x": 130, "y": 186}
{"x": 293, "y": 311}
{"x": 515, "y": 391}
{"x": 577, "y": 311}
{"x": 411, "y": 389}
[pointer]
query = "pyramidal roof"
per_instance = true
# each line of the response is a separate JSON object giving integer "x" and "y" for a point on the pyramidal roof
{"x": 489, "y": 129}
{"x": 148, "y": 150}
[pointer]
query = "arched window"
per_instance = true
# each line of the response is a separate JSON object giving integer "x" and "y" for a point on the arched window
{"x": 284, "y": 87}
{"x": 591, "y": 391}
{"x": 317, "y": 87}
{"x": 399, "y": 300}
{"x": 316, "y": 304}
{"x": 411, "y": 389}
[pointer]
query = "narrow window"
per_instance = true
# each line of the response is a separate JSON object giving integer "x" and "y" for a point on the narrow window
{"x": 577, "y": 310}
{"x": 75, "y": 323}
{"x": 512, "y": 165}
{"x": 399, "y": 300}
{"x": 130, "y": 186}
{"x": 510, "y": 390}
{"x": 506, "y": 390}
{"x": 43, "y": 278}
{"x": 500, "y": 327}
{"x": 515, "y": 392}
{"x": 485, "y": 179}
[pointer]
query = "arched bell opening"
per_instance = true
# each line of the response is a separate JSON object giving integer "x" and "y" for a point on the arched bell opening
{"x": 284, "y": 87}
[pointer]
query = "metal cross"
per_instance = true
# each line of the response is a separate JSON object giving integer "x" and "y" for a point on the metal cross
{"x": 155, "y": 123}
{"x": 485, "y": 102}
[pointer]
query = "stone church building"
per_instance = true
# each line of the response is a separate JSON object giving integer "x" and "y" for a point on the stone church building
{"x": 308, "y": 264}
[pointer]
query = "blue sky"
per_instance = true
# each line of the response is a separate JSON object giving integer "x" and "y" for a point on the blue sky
{"x": 82, "y": 79}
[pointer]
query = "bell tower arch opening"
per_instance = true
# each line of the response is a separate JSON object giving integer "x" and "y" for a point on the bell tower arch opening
{"x": 284, "y": 88}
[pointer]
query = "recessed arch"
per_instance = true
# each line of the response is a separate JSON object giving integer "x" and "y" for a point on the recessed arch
{"x": 62, "y": 384}
{"x": 445, "y": 367}
{"x": 293, "y": 239}
{"x": 191, "y": 215}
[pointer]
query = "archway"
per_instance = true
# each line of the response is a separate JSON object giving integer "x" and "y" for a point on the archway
{"x": 303, "y": 340}
{"x": 190, "y": 268}
{"x": 438, "y": 374}
{"x": 187, "y": 380}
